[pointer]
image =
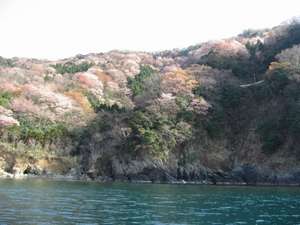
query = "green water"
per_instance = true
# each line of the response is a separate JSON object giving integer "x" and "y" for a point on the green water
{"x": 57, "y": 202}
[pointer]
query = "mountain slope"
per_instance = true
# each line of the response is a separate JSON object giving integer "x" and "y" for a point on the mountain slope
{"x": 220, "y": 111}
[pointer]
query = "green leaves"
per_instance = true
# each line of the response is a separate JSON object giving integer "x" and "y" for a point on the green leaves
{"x": 277, "y": 80}
{"x": 72, "y": 67}
{"x": 5, "y": 98}
{"x": 271, "y": 132}
{"x": 282, "y": 125}
{"x": 156, "y": 133}
{"x": 41, "y": 131}
{"x": 136, "y": 84}
{"x": 231, "y": 96}
{"x": 99, "y": 106}
{"x": 6, "y": 62}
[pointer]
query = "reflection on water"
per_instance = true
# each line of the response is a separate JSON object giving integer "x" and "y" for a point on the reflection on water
{"x": 58, "y": 202}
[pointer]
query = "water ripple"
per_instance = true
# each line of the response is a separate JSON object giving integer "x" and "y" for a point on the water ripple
{"x": 52, "y": 202}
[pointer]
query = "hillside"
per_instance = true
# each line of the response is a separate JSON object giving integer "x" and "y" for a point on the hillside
{"x": 216, "y": 112}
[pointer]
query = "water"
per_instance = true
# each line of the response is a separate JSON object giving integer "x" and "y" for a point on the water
{"x": 57, "y": 202}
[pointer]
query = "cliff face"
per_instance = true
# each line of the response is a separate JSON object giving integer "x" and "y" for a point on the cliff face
{"x": 221, "y": 111}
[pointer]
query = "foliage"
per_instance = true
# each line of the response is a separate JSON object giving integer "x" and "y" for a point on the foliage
{"x": 97, "y": 134}
{"x": 215, "y": 123}
{"x": 41, "y": 131}
{"x": 101, "y": 124}
{"x": 185, "y": 51}
{"x": 284, "y": 39}
{"x": 249, "y": 33}
{"x": 156, "y": 133}
{"x": 290, "y": 57}
{"x": 151, "y": 90}
{"x": 201, "y": 90}
{"x": 101, "y": 106}
{"x": 284, "y": 96}
{"x": 231, "y": 96}
{"x": 80, "y": 99}
{"x": 70, "y": 67}
{"x": 270, "y": 131}
{"x": 5, "y": 98}
{"x": 254, "y": 66}
{"x": 137, "y": 84}
{"x": 293, "y": 118}
{"x": 48, "y": 78}
{"x": 229, "y": 110}
{"x": 277, "y": 78}
{"x": 6, "y": 62}
{"x": 240, "y": 66}
{"x": 183, "y": 101}
{"x": 165, "y": 122}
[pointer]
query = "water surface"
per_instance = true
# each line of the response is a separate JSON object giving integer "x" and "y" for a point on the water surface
{"x": 57, "y": 202}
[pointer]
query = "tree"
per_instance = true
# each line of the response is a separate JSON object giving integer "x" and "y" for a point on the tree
{"x": 71, "y": 67}
{"x": 136, "y": 84}
{"x": 277, "y": 77}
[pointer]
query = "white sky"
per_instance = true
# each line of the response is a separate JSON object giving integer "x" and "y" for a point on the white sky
{"x": 61, "y": 28}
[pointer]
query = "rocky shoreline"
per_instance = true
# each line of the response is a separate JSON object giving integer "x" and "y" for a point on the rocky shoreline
{"x": 290, "y": 181}
{"x": 145, "y": 170}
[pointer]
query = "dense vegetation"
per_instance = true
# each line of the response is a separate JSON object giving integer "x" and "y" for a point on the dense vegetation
{"x": 5, "y": 98}
{"x": 35, "y": 131}
{"x": 6, "y": 62}
{"x": 138, "y": 84}
{"x": 274, "y": 103}
{"x": 156, "y": 134}
{"x": 210, "y": 105}
{"x": 72, "y": 67}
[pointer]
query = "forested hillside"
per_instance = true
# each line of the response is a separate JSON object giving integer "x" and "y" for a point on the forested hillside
{"x": 220, "y": 111}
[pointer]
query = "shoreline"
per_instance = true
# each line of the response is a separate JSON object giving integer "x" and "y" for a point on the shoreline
{"x": 69, "y": 178}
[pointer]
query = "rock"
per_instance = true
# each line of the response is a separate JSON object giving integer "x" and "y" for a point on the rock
{"x": 4, "y": 174}
{"x": 246, "y": 173}
{"x": 32, "y": 170}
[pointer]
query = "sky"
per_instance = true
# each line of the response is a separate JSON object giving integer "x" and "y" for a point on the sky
{"x": 53, "y": 29}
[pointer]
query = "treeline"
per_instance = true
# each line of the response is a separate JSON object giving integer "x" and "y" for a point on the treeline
{"x": 71, "y": 67}
{"x": 35, "y": 131}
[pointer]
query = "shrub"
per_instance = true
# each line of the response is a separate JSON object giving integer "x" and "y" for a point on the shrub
{"x": 290, "y": 56}
{"x": 100, "y": 106}
{"x": 178, "y": 81}
{"x": 261, "y": 93}
{"x": 186, "y": 115}
{"x": 136, "y": 84}
{"x": 6, "y": 62}
{"x": 183, "y": 101}
{"x": 240, "y": 66}
{"x": 5, "y": 98}
{"x": 284, "y": 122}
{"x": 72, "y": 67}
{"x": 215, "y": 123}
{"x": 285, "y": 37}
{"x": 231, "y": 96}
{"x": 155, "y": 133}
{"x": 41, "y": 131}
{"x": 249, "y": 33}
{"x": 295, "y": 124}
{"x": 277, "y": 78}
{"x": 271, "y": 134}
{"x": 151, "y": 89}
{"x": 80, "y": 99}
{"x": 201, "y": 90}
{"x": 229, "y": 111}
